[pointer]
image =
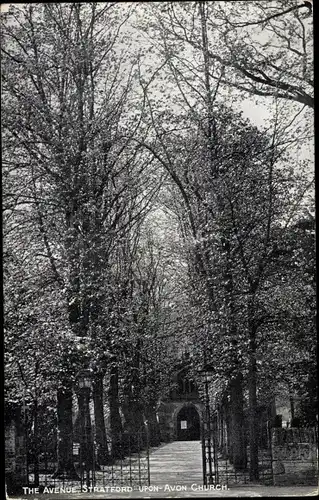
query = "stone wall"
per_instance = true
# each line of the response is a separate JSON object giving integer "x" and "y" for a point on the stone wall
{"x": 295, "y": 456}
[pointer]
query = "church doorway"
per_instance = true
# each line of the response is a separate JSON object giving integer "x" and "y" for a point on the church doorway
{"x": 188, "y": 424}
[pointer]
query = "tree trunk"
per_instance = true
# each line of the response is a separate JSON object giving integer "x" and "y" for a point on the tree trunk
{"x": 227, "y": 419}
{"x": 115, "y": 417}
{"x": 239, "y": 456}
{"x": 86, "y": 435}
{"x": 139, "y": 426}
{"x": 134, "y": 411}
{"x": 153, "y": 426}
{"x": 292, "y": 407}
{"x": 134, "y": 423}
{"x": 253, "y": 422}
{"x": 210, "y": 128}
{"x": 65, "y": 467}
{"x": 36, "y": 450}
{"x": 238, "y": 442}
{"x": 223, "y": 429}
{"x": 100, "y": 431}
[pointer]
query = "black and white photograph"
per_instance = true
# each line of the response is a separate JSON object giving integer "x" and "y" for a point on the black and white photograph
{"x": 158, "y": 249}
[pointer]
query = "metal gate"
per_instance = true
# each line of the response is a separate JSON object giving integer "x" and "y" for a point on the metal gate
{"x": 129, "y": 471}
{"x": 218, "y": 467}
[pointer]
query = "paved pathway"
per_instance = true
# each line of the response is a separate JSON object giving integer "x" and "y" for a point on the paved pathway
{"x": 177, "y": 463}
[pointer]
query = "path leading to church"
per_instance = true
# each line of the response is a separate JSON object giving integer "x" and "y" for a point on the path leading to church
{"x": 177, "y": 463}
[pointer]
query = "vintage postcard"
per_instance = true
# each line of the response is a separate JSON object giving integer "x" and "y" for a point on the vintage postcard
{"x": 159, "y": 249}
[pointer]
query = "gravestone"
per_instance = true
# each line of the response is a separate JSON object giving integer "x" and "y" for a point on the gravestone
{"x": 15, "y": 456}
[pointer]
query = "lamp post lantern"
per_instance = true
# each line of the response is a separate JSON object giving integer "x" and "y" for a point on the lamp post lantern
{"x": 85, "y": 381}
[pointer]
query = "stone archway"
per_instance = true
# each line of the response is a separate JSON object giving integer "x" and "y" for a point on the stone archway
{"x": 188, "y": 424}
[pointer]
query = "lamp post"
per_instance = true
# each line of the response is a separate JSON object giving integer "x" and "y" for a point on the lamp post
{"x": 86, "y": 443}
{"x": 209, "y": 434}
{"x": 207, "y": 379}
